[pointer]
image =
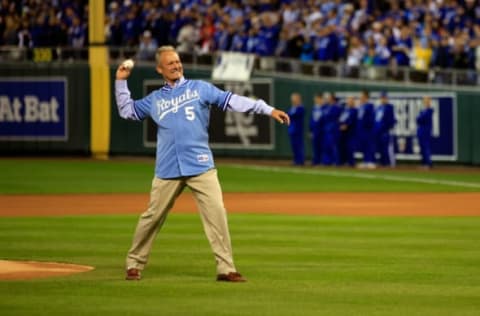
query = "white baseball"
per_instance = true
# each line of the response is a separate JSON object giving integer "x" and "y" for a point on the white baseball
{"x": 128, "y": 64}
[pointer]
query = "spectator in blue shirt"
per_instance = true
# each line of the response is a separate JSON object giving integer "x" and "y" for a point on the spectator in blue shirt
{"x": 78, "y": 37}
{"x": 296, "y": 40}
{"x": 382, "y": 52}
{"x": 38, "y": 32}
{"x": 147, "y": 47}
{"x": 307, "y": 52}
{"x": 442, "y": 58}
{"x": 239, "y": 41}
{"x": 253, "y": 40}
{"x": 221, "y": 38}
{"x": 402, "y": 47}
{"x": 268, "y": 37}
{"x": 325, "y": 43}
{"x": 77, "y": 34}
{"x": 282, "y": 46}
{"x": 371, "y": 58}
{"x": 181, "y": 18}
{"x": 130, "y": 29}
{"x": 457, "y": 19}
{"x": 159, "y": 24}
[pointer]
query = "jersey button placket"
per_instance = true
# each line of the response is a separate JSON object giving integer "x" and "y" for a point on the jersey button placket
{"x": 178, "y": 122}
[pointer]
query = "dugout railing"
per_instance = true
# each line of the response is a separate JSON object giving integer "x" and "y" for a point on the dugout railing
{"x": 434, "y": 75}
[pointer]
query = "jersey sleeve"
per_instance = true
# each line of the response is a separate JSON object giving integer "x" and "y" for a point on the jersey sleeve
{"x": 142, "y": 106}
{"x": 127, "y": 107}
{"x": 240, "y": 103}
{"x": 227, "y": 100}
{"x": 212, "y": 95}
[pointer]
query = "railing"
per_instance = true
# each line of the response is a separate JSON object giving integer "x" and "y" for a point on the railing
{"x": 278, "y": 65}
{"x": 372, "y": 73}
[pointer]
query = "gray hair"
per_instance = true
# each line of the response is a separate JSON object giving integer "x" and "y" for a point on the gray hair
{"x": 161, "y": 50}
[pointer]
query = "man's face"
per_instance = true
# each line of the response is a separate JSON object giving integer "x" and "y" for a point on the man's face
{"x": 170, "y": 66}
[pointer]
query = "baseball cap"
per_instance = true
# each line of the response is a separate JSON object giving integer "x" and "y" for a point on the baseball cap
{"x": 383, "y": 94}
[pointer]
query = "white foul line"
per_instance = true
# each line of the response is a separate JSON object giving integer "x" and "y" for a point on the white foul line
{"x": 358, "y": 175}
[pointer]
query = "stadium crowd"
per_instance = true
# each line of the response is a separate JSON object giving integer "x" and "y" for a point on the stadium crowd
{"x": 415, "y": 33}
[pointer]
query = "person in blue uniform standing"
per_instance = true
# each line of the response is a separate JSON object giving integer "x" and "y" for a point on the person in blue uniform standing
{"x": 295, "y": 129}
{"x": 424, "y": 132}
{"x": 331, "y": 115}
{"x": 348, "y": 132}
{"x": 384, "y": 123}
{"x": 316, "y": 129}
{"x": 365, "y": 130}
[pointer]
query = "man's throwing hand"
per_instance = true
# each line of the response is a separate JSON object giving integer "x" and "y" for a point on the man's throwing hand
{"x": 281, "y": 117}
{"x": 124, "y": 70}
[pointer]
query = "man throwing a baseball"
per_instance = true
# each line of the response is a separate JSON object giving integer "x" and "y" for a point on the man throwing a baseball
{"x": 181, "y": 110}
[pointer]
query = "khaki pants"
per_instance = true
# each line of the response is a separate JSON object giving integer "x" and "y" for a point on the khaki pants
{"x": 208, "y": 196}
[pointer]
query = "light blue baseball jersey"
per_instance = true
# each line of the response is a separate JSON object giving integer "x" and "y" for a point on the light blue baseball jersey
{"x": 182, "y": 115}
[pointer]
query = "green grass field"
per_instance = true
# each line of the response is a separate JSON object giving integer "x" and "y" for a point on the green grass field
{"x": 26, "y": 176}
{"x": 296, "y": 265}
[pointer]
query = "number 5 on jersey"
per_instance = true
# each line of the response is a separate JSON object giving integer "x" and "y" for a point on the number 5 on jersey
{"x": 189, "y": 113}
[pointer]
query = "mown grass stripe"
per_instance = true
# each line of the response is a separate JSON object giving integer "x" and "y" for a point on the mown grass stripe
{"x": 345, "y": 174}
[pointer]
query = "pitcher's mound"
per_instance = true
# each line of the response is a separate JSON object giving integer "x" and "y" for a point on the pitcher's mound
{"x": 25, "y": 270}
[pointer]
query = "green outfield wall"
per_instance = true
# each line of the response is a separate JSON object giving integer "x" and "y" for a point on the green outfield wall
{"x": 130, "y": 138}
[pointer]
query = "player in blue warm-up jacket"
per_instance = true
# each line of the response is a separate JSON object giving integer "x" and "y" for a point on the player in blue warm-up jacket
{"x": 424, "y": 131}
{"x": 295, "y": 129}
{"x": 331, "y": 114}
{"x": 316, "y": 129}
{"x": 348, "y": 132}
{"x": 365, "y": 131}
{"x": 384, "y": 123}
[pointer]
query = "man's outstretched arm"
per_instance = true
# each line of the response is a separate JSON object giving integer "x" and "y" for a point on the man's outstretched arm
{"x": 239, "y": 103}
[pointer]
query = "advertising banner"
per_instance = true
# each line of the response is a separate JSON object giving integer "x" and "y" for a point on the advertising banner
{"x": 33, "y": 109}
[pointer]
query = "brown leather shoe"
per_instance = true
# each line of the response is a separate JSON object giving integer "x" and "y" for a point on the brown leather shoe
{"x": 133, "y": 274}
{"x": 231, "y": 277}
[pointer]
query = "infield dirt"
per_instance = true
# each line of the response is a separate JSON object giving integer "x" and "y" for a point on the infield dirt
{"x": 335, "y": 204}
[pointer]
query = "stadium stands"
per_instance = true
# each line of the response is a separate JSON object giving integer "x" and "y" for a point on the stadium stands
{"x": 368, "y": 38}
